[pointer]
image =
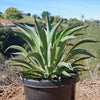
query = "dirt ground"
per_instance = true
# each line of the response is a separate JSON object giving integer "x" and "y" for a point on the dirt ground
{"x": 88, "y": 91}
{"x": 84, "y": 91}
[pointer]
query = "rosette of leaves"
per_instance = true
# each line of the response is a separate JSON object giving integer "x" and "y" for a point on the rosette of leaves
{"x": 44, "y": 60}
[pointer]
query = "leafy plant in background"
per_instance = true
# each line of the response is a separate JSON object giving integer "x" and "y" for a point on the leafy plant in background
{"x": 7, "y": 38}
{"x": 46, "y": 58}
{"x": 5, "y": 34}
{"x": 1, "y": 14}
{"x": 12, "y": 14}
{"x": 1, "y": 59}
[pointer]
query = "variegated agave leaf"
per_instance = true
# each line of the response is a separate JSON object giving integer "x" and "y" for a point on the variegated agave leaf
{"x": 47, "y": 47}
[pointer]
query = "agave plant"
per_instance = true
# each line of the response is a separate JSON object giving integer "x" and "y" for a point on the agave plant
{"x": 45, "y": 59}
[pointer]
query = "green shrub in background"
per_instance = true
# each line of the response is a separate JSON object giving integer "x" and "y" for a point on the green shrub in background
{"x": 8, "y": 38}
{"x": 4, "y": 35}
{"x": 12, "y": 14}
{"x": 1, "y": 59}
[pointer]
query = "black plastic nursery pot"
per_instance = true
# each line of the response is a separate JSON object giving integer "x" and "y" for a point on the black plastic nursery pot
{"x": 51, "y": 90}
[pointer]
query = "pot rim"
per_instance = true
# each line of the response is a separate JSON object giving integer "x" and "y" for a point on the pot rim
{"x": 50, "y": 83}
